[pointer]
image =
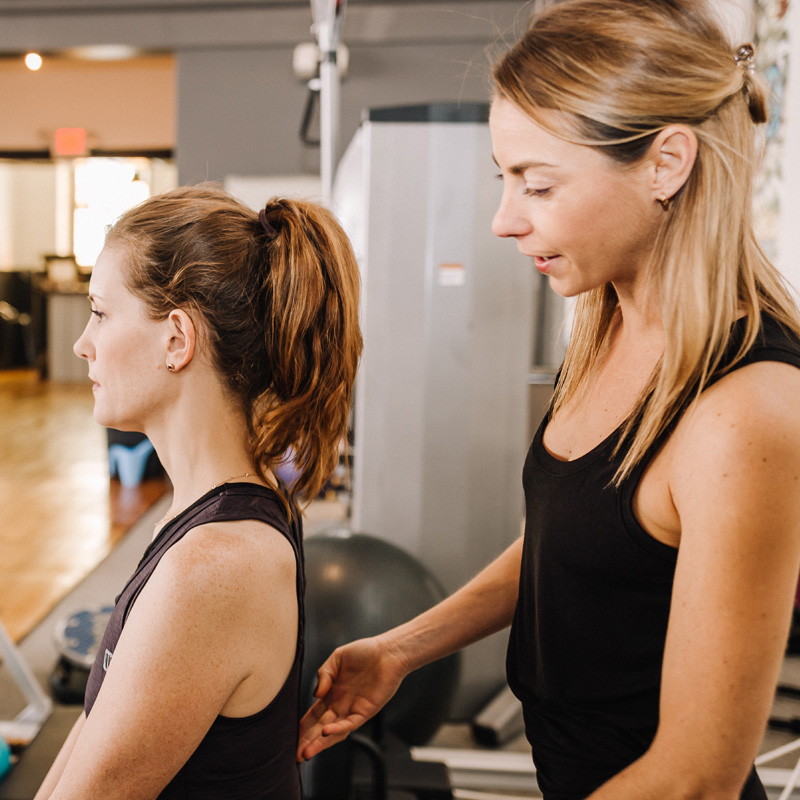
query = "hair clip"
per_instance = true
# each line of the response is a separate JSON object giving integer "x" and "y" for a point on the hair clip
{"x": 268, "y": 228}
{"x": 745, "y": 57}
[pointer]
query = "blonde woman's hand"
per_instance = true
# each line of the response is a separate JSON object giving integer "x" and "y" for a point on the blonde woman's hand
{"x": 355, "y": 682}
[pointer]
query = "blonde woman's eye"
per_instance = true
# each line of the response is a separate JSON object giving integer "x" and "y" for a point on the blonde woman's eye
{"x": 537, "y": 192}
{"x": 531, "y": 192}
{"x": 99, "y": 314}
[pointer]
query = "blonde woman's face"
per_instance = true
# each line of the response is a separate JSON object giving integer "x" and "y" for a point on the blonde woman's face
{"x": 585, "y": 220}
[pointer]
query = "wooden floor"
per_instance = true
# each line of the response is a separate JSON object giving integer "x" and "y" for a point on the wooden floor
{"x": 60, "y": 515}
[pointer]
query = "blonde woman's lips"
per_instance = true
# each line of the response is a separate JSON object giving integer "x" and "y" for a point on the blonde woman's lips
{"x": 543, "y": 262}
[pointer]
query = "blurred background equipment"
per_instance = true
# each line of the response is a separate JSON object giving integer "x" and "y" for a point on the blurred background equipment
{"x": 359, "y": 586}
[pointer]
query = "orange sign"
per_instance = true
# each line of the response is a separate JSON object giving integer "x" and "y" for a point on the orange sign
{"x": 69, "y": 142}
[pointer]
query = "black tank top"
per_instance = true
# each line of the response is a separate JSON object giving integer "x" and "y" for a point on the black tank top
{"x": 587, "y": 641}
{"x": 240, "y": 758}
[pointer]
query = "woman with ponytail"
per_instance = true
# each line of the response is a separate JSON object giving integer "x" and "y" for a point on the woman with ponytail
{"x": 229, "y": 337}
{"x": 651, "y": 595}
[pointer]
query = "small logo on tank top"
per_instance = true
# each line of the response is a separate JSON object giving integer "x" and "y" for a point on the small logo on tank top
{"x": 107, "y": 660}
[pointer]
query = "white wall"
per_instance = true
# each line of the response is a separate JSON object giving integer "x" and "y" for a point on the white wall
{"x": 27, "y": 214}
{"x": 738, "y": 19}
{"x": 127, "y": 105}
{"x": 789, "y": 239}
{"x": 239, "y": 110}
{"x": 238, "y": 105}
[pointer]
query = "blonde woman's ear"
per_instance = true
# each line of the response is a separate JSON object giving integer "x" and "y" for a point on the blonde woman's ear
{"x": 674, "y": 152}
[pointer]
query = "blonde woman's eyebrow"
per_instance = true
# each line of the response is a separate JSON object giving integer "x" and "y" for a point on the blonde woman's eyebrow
{"x": 518, "y": 169}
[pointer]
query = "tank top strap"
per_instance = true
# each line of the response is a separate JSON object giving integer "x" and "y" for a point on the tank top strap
{"x": 773, "y": 343}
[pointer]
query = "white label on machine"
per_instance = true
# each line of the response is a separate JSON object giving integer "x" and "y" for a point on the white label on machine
{"x": 452, "y": 275}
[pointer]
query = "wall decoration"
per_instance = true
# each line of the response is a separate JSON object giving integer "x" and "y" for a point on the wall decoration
{"x": 772, "y": 58}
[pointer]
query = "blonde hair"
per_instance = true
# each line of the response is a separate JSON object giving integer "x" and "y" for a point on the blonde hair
{"x": 620, "y": 71}
{"x": 278, "y": 302}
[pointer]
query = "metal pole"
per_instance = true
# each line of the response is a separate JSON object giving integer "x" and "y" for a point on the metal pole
{"x": 327, "y": 28}
{"x": 27, "y": 723}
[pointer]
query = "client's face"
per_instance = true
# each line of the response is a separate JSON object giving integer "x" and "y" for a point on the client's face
{"x": 125, "y": 350}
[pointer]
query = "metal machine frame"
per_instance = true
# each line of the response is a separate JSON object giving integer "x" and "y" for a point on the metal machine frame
{"x": 24, "y": 727}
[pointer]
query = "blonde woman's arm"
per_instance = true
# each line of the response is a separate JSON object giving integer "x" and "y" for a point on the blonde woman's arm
{"x": 735, "y": 484}
{"x": 359, "y": 678}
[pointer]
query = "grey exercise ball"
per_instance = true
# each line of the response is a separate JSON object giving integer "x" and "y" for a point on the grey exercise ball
{"x": 356, "y": 586}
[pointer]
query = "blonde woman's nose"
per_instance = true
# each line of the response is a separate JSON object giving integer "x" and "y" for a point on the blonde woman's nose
{"x": 508, "y": 222}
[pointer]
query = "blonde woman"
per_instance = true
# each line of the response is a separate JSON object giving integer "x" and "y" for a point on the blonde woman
{"x": 651, "y": 595}
{"x": 227, "y": 336}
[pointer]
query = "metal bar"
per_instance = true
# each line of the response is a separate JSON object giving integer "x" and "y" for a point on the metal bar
{"x": 28, "y": 722}
{"x": 791, "y": 783}
{"x": 483, "y": 770}
{"x": 328, "y": 17}
{"x": 771, "y": 755}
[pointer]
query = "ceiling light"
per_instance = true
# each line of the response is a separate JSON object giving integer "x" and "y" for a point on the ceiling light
{"x": 33, "y": 61}
{"x": 103, "y": 52}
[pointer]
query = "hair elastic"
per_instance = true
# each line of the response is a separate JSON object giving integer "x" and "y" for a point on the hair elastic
{"x": 268, "y": 228}
{"x": 745, "y": 57}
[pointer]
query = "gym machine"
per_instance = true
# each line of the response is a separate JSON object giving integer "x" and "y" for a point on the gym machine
{"x": 24, "y": 727}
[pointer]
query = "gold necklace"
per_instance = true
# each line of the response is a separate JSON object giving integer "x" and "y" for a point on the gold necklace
{"x": 164, "y": 520}
{"x": 232, "y": 478}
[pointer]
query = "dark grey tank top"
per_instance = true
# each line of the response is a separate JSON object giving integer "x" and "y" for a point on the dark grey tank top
{"x": 240, "y": 758}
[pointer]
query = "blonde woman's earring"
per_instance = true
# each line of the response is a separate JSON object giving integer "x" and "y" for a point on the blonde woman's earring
{"x": 171, "y": 367}
{"x": 664, "y": 200}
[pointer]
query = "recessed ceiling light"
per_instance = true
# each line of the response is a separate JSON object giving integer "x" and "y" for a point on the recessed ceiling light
{"x": 103, "y": 52}
{"x": 33, "y": 61}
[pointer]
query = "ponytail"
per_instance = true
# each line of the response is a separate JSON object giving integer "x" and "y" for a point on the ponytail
{"x": 312, "y": 341}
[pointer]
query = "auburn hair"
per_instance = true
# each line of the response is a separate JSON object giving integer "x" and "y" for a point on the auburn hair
{"x": 277, "y": 303}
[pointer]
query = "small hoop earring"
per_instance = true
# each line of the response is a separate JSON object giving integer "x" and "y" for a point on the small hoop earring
{"x": 665, "y": 201}
{"x": 171, "y": 367}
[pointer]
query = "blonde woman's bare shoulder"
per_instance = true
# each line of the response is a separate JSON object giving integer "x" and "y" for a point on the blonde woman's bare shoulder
{"x": 756, "y": 396}
{"x": 741, "y": 439}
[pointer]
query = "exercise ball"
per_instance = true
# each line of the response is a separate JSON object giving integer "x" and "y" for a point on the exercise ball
{"x": 356, "y": 586}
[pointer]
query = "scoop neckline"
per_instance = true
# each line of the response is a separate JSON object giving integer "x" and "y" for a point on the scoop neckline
{"x": 209, "y": 495}
{"x": 558, "y": 466}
